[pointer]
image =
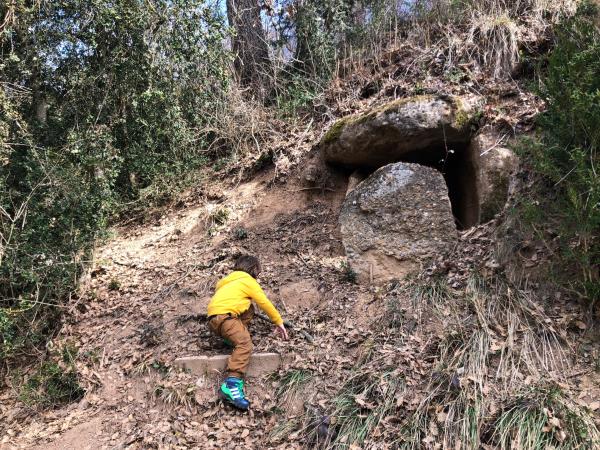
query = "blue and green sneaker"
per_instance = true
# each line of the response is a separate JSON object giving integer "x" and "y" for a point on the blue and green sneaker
{"x": 232, "y": 390}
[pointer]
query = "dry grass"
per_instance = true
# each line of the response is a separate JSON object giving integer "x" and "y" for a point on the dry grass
{"x": 488, "y": 34}
{"x": 240, "y": 127}
{"x": 175, "y": 393}
{"x": 498, "y": 29}
{"x": 247, "y": 135}
{"x": 542, "y": 418}
{"x": 280, "y": 432}
{"x": 359, "y": 407}
{"x": 496, "y": 342}
{"x": 495, "y": 39}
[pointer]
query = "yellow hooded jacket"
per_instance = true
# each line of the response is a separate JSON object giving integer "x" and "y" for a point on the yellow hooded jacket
{"x": 234, "y": 295}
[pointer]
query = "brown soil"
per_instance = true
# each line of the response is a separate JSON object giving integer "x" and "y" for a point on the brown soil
{"x": 166, "y": 271}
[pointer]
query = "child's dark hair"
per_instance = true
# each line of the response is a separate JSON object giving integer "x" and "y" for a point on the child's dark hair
{"x": 248, "y": 264}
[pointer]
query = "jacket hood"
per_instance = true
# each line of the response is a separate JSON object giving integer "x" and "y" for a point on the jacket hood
{"x": 237, "y": 275}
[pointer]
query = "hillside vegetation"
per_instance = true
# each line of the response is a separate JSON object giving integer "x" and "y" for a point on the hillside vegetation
{"x": 145, "y": 144}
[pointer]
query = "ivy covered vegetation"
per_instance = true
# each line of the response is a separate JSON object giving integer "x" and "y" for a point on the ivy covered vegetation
{"x": 101, "y": 104}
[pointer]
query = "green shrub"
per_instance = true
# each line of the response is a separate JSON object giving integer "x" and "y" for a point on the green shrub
{"x": 97, "y": 120}
{"x": 297, "y": 93}
{"x": 348, "y": 273}
{"x": 52, "y": 385}
{"x": 240, "y": 233}
{"x": 566, "y": 153}
{"x": 54, "y": 382}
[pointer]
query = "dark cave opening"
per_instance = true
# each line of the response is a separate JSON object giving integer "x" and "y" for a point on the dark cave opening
{"x": 458, "y": 164}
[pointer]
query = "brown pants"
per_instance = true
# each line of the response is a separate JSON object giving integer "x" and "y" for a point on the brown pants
{"x": 235, "y": 329}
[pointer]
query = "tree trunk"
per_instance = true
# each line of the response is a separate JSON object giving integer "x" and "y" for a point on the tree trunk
{"x": 252, "y": 64}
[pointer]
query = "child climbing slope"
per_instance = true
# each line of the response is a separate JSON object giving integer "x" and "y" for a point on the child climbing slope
{"x": 230, "y": 312}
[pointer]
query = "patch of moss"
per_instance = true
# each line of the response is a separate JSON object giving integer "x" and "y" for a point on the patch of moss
{"x": 396, "y": 104}
{"x": 338, "y": 127}
{"x": 462, "y": 117}
{"x": 335, "y": 131}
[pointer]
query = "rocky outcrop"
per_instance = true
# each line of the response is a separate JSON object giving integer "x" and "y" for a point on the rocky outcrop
{"x": 396, "y": 219}
{"x": 496, "y": 164}
{"x": 400, "y": 130}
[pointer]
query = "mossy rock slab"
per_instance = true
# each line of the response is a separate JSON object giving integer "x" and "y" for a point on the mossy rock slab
{"x": 394, "y": 130}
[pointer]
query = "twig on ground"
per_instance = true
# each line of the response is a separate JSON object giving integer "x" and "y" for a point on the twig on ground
{"x": 290, "y": 325}
{"x": 314, "y": 188}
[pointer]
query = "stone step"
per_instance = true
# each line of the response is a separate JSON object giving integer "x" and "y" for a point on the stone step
{"x": 260, "y": 364}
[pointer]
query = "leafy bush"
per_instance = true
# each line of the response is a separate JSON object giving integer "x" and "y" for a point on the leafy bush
{"x": 566, "y": 153}
{"x": 54, "y": 383}
{"x": 102, "y": 111}
{"x": 296, "y": 93}
{"x": 51, "y": 386}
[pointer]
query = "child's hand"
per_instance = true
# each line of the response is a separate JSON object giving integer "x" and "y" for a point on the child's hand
{"x": 281, "y": 332}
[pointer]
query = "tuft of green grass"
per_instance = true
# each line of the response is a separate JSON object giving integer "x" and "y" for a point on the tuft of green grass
{"x": 220, "y": 216}
{"x": 457, "y": 384}
{"x": 282, "y": 430}
{"x": 431, "y": 293}
{"x": 544, "y": 418}
{"x": 457, "y": 425}
{"x": 348, "y": 273}
{"x": 395, "y": 315}
{"x": 114, "y": 285}
{"x": 292, "y": 383}
{"x": 419, "y": 88}
{"x": 240, "y": 233}
{"x": 361, "y": 404}
{"x": 217, "y": 219}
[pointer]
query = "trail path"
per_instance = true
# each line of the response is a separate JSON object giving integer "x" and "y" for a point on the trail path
{"x": 139, "y": 311}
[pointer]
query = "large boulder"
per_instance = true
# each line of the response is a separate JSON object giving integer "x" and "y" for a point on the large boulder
{"x": 496, "y": 165}
{"x": 400, "y": 130}
{"x": 396, "y": 219}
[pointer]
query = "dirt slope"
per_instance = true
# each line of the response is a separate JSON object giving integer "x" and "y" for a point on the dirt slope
{"x": 138, "y": 310}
